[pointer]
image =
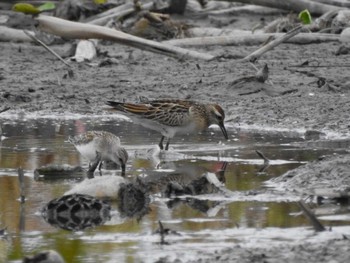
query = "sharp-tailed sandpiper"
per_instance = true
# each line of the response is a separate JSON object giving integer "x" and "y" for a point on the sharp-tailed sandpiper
{"x": 172, "y": 116}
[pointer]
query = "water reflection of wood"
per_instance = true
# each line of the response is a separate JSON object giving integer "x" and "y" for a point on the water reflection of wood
{"x": 21, "y": 185}
{"x": 57, "y": 171}
{"x": 132, "y": 195}
{"x": 49, "y": 256}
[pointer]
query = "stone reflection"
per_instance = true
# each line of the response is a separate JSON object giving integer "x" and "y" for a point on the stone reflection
{"x": 76, "y": 212}
{"x": 133, "y": 200}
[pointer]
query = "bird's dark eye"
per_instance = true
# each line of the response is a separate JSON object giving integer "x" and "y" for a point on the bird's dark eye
{"x": 219, "y": 117}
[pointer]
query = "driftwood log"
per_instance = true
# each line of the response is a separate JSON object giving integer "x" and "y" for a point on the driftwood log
{"x": 75, "y": 30}
{"x": 116, "y": 13}
{"x": 341, "y": 3}
{"x": 292, "y": 5}
{"x": 11, "y": 34}
{"x": 251, "y": 39}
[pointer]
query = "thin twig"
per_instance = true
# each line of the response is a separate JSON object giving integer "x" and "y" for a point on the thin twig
{"x": 266, "y": 162}
{"x": 35, "y": 39}
{"x": 258, "y": 53}
{"x": 161, "y": 232}
{"x": 262, "y": 74}
{"x": 4, "y": 109}
{"x": 262, "y": 156}
{"x": 313, "y": 219}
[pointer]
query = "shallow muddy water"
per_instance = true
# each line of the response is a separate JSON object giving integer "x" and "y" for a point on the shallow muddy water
{"x": 206, "y": 223}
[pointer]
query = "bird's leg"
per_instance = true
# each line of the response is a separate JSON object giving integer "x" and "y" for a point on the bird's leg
{"x": 161, "y": 143}
{"x": 167, "y": 144}
{"x": 90, "y": 174}
{"x": 95, "y": 163}
{"x": 99, "y": 168}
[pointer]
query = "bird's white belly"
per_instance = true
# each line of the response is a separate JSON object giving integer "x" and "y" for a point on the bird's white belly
{"x": 105, "y": 186}
{"x": 88, "y": 151}
{"x": 171, "y": 131}
{"x": 167, "y": 131}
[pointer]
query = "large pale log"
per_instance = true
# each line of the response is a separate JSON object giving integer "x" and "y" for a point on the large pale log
{"x": 75, "y": 30}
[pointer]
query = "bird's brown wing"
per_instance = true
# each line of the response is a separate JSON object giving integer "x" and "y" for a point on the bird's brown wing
{"x": 166, "y": 112}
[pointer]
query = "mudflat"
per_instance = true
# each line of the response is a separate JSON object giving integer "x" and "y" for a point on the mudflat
{"x": 296, "y": 101}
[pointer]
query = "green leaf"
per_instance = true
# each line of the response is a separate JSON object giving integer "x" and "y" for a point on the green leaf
{"x": 26, "y": 8}
{"x": 47, "y": 7}
{"x": 100, "y": 2}
{"x": 305, "y": 17}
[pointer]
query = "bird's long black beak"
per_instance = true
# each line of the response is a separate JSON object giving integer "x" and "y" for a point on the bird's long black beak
{"x": 123, "y": 166}
{"x": 223, "y": 129}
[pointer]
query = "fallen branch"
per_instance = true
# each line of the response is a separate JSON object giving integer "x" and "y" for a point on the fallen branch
{"x": 35, "y": 39}
{"x": 117, "y": 13}
{"x": 291, "y": 5}
{"x": 340, "y": 3}
{"x": 260, "y": 76}
{"x": 75, "y": 30}
{"x": 4, "y": 109}
{"x": 262, "y": 156}
{"x": 246, "y": 9}
{"x": 313, "y": 219}
{"x": 162, "y": 233}
{"x": 11, "y": 34}
{"x": 258, "y": 53}
{"x": 113, "y": 13}
{"x": 251, "y": 39}
{"x": 266, "y": 162}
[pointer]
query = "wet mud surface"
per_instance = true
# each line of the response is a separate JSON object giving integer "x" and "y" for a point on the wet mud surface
{"x": 33, "y": 82}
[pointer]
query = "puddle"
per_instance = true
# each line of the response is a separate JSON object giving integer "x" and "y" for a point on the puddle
{"x": 209, "y": 222}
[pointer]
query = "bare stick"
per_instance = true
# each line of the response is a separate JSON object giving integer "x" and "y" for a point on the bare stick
{"x": 4, "y": 109}
{"x": 161, "y": 232}
{"x": 260, "y": 76}
{"x": 258, "y": 53}
{"x": 21, "y": 185}
{"x": 262, "y": 156}
{"x": 35, "y": 39}
{"x": 313, "y": 219}
{"x": 117, "y": 13}
{"x": 342, "y": 3}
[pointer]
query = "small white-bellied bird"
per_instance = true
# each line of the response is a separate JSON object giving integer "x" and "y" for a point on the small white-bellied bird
{"x": 99, "y": 146}
{"x": 172, "y": 116}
